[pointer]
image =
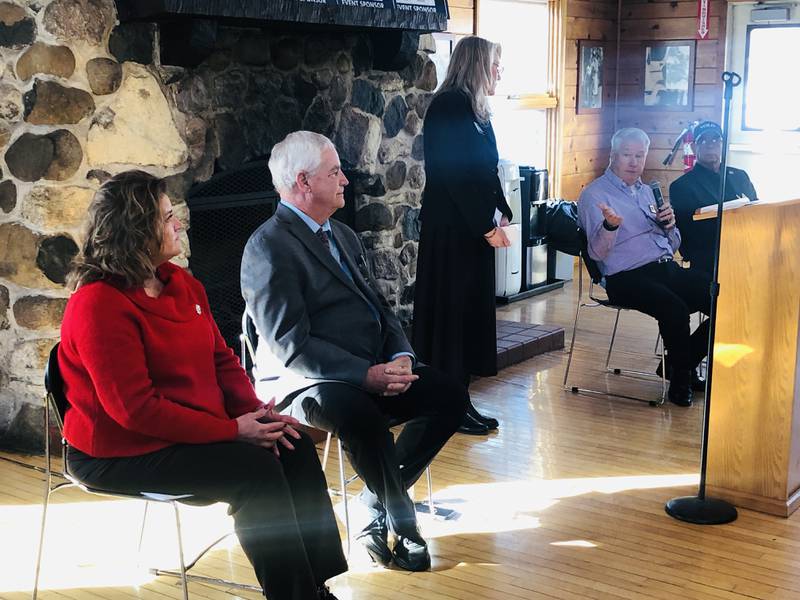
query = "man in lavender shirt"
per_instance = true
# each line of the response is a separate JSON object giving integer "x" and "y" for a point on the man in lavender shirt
{"x": 633, "y": 242}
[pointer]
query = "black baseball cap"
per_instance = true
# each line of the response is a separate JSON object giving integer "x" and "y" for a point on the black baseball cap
{"x": 704, "y": 128}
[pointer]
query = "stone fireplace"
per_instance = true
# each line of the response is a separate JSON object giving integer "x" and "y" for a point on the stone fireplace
{"x": 83, "y": 97}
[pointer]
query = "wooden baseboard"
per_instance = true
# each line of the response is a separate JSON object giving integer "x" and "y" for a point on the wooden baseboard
{"x": 770, "y": 506}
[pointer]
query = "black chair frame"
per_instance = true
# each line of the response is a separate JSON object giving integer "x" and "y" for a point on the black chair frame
{"x": 595, "y": 300}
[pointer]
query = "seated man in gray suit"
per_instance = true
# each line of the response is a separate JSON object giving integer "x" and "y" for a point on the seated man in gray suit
{"x": 331, "y": 348}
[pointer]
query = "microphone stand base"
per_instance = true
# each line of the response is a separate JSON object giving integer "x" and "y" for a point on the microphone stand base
{"x": 701, "y": 511}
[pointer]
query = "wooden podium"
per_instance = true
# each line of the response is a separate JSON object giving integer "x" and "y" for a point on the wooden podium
{"x": 754, "y": 427}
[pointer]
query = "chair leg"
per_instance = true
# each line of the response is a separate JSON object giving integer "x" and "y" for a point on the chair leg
{"x": 572, "y": 343}
{"x": 343, "y": 488}
{"x": 45, "y": 502}
{"x": 613, "y": 337}
{"x": 663, "y": 374}
{"x": 46, "y": 495}
{"x": 141, "y": 531}
{"x": 184, "y": 583}
{"x": 431, "y": 508}
{"x": 326, "y": 451}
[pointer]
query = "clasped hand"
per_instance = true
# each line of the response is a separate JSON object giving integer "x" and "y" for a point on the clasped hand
{"x": 267, "y": 428}
{"x": 497, "y": 237}
{"x": 391, "y": 378}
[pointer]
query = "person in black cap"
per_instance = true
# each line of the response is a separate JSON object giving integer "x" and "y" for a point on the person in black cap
{"x": 700, "y": 187}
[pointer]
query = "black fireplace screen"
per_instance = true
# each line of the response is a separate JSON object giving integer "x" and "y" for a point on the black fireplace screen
{"x": 224, "y": 212}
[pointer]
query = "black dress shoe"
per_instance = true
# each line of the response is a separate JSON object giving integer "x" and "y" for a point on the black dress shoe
{"x": 680, "y": 395}
{"x": 488, "y": 421}
{"x": 472, "y": 426}
{"x": 411, "y": 553}
{"x": 698, "y": 383}
{"x": 323, "y": 593}
{"x": 375, "y": 539}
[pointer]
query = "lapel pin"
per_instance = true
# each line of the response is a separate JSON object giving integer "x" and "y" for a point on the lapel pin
{"x": 197, "y": 308}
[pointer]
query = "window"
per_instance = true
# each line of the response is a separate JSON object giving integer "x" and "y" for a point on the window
{"x": 521, "y": 133}
{"x": 521, "y": 29}
{"x": 764, "y": 129}
{"x": 771, "y": 93}
{"x": 522, "y": 113}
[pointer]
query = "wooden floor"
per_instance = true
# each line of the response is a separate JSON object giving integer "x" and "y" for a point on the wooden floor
{"x": 565, "y": 501}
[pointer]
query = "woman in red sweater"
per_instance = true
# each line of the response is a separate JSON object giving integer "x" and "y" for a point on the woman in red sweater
{"x": 158, "y": 402}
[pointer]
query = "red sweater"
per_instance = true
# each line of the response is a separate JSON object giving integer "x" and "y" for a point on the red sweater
{"x": 144, "y": 373}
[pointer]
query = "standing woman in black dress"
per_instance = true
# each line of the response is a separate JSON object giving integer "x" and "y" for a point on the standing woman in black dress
{"x": 463, "y": 208}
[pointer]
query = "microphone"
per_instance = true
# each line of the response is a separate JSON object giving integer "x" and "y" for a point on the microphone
{"x": 656, "y": 187}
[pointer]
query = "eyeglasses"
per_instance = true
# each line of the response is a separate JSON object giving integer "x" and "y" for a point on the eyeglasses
{"x": 710, "y": 141}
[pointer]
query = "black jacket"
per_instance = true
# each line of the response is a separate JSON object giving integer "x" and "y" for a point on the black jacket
{"x": 700, "y": 187}
{"x": 462, "y": 188}
{"x": 454, "y": 301}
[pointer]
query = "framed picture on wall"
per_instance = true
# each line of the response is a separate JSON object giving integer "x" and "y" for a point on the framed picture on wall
{"x": 668, "y": 79}
{"x": 590, "y": 77}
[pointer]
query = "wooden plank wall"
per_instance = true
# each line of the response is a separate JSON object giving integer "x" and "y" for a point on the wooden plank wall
{"x": 462, "y": 17}
{"x": 646, "y": 20}
{"x": 586, "y": 137}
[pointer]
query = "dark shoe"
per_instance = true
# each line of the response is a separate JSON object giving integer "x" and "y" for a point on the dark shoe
{"x": 680, "y": 388}
{"x": 472, "y": 426}
{"x": 375, "y": 539}
{"x": 680, "y": 395}
{"x": 411, "y": 553}
{"x": 490, "y": 423}
{"x": 323, "y": 593}
{"x": 698, "y": 383}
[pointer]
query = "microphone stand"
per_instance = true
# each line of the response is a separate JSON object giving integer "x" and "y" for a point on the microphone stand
{"x": 700, "y": 509}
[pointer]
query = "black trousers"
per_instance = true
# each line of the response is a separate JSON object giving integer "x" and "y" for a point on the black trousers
{"x": 670, "y": 294}
{"x": 432, "y": 408}
{"x": 282, "y": 513}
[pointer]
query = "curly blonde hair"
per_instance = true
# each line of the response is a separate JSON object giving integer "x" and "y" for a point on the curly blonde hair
{"x": 470, "y": 71}
{"x": 122, "y": 231}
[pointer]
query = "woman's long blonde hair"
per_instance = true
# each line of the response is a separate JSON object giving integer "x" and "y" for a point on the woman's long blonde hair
{"x": 470, "y": 71}
{"x": 122, "y": 231}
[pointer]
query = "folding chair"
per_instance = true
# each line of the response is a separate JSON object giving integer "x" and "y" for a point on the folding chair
{"x": 595, "y": 300}
{"x": 56, "y": 402}
{"x": 249, "y": 341}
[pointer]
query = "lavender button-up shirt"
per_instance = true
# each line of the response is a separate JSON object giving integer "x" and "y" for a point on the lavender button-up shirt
{"x": 639, "y": 240}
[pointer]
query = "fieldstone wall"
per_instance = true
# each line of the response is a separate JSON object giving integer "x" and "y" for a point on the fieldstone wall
{"x": 82, "y": 98}
{"x": 256, "y": 86}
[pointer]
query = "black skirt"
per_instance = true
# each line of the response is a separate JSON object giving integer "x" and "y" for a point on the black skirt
{"x": 454, "y": 302}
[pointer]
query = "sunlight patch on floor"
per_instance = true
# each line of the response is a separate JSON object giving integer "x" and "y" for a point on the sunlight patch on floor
{"x": 94, "y": 544}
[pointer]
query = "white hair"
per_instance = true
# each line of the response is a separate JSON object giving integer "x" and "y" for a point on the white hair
{"x": 629, "y": 134}
{"x": 298, "y": 152}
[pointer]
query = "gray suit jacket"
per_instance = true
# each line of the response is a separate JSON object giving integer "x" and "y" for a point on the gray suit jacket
{"x": 314, "y": 323}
